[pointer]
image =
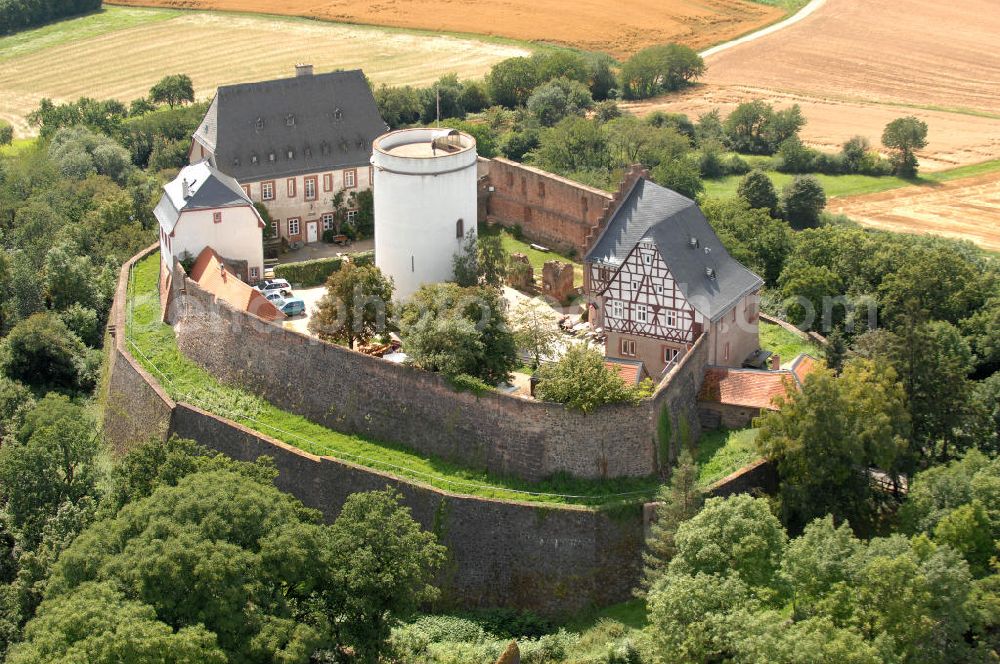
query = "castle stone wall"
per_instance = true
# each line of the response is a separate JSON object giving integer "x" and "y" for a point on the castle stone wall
{"x": 550, "y": 210}
{"x": 549, "y": 559}
{"x": 355, "y": 393}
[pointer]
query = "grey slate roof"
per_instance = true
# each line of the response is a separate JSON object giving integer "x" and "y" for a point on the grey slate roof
{"x": 207, "y": 189}
{"x": 654, "y": 213}
{"x": 327, "y": 121}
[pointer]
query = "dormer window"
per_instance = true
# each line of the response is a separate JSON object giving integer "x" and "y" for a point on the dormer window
{"x": 343, "y": 146}
{"x": 338, "y": 115}
{"x": 236, "y": 161}
{"x": 254, "y": 159}
{"x": 291, "y": 154}
{"x": 307, "y": 152}
{"x": 260, "y": 123}
{"x": 290, "y": 120}
{"x": 361, "y": 143}
{"x": 272, "y": 157}
{"x": 324, "y": 147}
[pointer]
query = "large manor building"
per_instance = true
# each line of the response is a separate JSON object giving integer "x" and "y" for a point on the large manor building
{"x": 293, "y": 144}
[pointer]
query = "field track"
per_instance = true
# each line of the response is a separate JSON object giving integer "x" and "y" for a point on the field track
{"x": 968, "y": 208}
{"x": 216, "y": 49}
{"x": 854, "y": 65}
{"x": 619, "y": 28}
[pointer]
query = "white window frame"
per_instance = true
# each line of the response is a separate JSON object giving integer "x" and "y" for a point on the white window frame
{"x": 627, "y": 347}
{"x": 267, "y": 191}
{"x": 350, "y": 179}
{"x": 670, "y": 318}
{"x": 670, "y": 354}
{"x": 641, "y": 313}
{"x": 276, "y": 227}
{"x": 636, "y": 284}
{"x": 309, "y": 188}
{"x": 254, "y": 273}
{"x": 352, "y": 216}
{"x": 327, "y": 219}
{"x": 617, "y": 309}
{"x": 647, "y": 259}
{"x": 293, "y": 226}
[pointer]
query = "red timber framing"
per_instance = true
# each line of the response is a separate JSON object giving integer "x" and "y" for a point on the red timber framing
{"x": 641, "y": 298}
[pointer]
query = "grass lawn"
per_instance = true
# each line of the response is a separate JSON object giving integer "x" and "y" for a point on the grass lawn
{"x": 847, "y": 185}
{"x": 156, "y": 348}
{"x": 17, "y": 147}
{"x": 782, "y": 342}
{"x": 535, "y": 257}
{"x": 723, "y": 452}
{"x": 95, "y": 24}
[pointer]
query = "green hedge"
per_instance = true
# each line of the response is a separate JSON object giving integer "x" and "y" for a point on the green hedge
{"x": 308, "y": 274}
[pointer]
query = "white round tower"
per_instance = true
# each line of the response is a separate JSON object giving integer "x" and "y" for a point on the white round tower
{"x": 425, "y": 203}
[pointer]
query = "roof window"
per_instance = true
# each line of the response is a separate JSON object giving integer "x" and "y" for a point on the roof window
{"x": 272, "y": 157}
{"x": 290, "y": 120}
{"x": 291, "y": 154}
{"x": 254, "y": 158}
{"x": 260, "y": 123}
{"x": 338, "y": 114}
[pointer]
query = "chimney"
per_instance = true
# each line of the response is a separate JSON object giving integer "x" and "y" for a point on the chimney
{"x": 303, "y": 70}
{"x": 775, "y": 362}
{"x": 185, "y": 189}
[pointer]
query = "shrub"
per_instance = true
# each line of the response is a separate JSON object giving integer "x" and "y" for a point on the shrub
{"x": 307, "y": 274}
{"x": 581, "y": 381}
{"x": 6, "y": 133}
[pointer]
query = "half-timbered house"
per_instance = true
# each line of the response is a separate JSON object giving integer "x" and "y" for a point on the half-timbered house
{"x": 658, "y": 278}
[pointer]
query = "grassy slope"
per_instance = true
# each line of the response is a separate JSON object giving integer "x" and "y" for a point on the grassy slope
{"x": 535, "y": 257}
{"x": 723, "y": 452}
{"x": 184, "y": 380}
{"x": 17, "y": 147}
{"x": 782, "y": 342}
{"x": 109, "y": 19}
{"x": 853, "y": 185}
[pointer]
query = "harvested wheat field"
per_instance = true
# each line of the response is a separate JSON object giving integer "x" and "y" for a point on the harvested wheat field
{"x": 853, "y": 65}
{"x": 968, "y": 208}
{"x": 619, "y": 28}
{"x": 215, "y": 49}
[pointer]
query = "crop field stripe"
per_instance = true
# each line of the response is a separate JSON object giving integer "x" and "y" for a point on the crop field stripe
{"x": 242, "y": 49}
{"x": 109, "y": 19}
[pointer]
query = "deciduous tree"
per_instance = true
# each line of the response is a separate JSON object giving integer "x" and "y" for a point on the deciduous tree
{"x": 356, "y": 307}
{"x": 902, "y": 137}
{"x": 174, "y": 90}
{"x": 580, "y": 380}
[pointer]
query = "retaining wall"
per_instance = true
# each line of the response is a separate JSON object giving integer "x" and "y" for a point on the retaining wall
{"x": 354, "y": 393}
{"x": 553, "y": 559}
{"x": 549, "y": 559}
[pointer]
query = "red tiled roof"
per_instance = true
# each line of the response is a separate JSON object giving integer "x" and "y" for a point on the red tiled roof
{"x": 630, "y": 372}
{"x": 744, "y": 387}
{"x": 210, "y": 273}
{"x": 803, "y": 366}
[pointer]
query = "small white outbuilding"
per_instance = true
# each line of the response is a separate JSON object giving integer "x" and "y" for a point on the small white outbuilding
{"x": 205, "y": 208}
{"x": 425, "y": 204}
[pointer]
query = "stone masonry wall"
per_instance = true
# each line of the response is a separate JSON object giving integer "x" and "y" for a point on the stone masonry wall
{"x": 549, "y": 559}
{"x": 136, "y": 408}
{"x": 553, "y": 559}
{"x": 676, "y": 402}
{"x": 551, "y": 210}
{"x": 355, "y": 393}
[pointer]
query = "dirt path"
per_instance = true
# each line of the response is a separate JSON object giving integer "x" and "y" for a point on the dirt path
{"x": 968, "y": 208}
{"x": 853, "y": 66}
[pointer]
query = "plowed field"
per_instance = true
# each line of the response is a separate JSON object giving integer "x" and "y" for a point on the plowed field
{"x": 619, "y": 28}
